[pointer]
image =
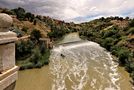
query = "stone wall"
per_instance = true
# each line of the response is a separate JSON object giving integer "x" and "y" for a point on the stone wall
{"x": 8, "y": 69}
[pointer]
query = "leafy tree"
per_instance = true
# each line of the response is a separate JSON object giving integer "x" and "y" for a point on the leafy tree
{"x": 123, "y": 54}
{"x": 35, "y": 35}
{"x": 25, "y": 29}
{"x": 131, "y": 31}
{"x": 35, "y": 21}
{"x": 29, "y": 16}
{"x": 42, "y": 48}
{"x": 23, "y": 48}
{"x": 131, "y": 23}
{"x": 36, "y": 56}
{"x": 110, "y": 32}
{"x": 38, "y": 17}
{"x": 20, "y": 12}
{"x": 107, "y": 43}
{"x": 127, "y": 18}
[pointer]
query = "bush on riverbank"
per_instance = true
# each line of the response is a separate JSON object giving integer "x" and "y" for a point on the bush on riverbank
{"x": 31, "y": 52}
{"x": 35, "y": 61}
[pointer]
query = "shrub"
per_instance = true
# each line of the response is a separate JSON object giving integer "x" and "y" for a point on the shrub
{"x": 20, "y": 12}
{"x": 29, "y": 16}
{"x": 36, "y": 56}
{"x": 18, "y": 32}
{"x": 23, "y": 49}
{"x": 130, "y": 67}
{"x": 27, "y": 66}
{"x": 107, "y": 43}
{"x": 131, "y": 23}
{"x": 130, "y": 31}
{"x": 35, "y": 21}
{"x": 42, "y": 48}
{"x": 110, "y": 33}
{"x": 123, "y": 55}
{"x": 35, "y": 35}
{"x": 39, "y": 65}
{"x": 25, "y": 29}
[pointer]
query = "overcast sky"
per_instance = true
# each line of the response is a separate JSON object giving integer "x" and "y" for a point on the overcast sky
{"x": 74, "y": 10}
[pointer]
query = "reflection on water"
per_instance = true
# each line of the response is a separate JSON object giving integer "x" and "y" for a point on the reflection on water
{"x": 81, "y": 66}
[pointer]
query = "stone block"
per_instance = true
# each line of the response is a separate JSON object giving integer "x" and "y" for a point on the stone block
{"x": 7, "y": 50}
{"x": 7, "y": 56}
{"x": 8, "y": 80}
{"x": 8, "y": 70}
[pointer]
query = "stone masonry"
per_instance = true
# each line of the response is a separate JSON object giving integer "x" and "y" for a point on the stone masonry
{"x": 8, "y": 69}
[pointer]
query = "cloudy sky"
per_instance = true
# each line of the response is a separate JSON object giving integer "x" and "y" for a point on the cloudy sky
{"x": 74, "y": 10}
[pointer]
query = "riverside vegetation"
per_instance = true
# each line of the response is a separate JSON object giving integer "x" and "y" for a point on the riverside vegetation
{"x": 116, "y": 34}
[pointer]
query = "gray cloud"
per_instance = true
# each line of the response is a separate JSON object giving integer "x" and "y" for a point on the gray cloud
{"x": 74, "y": 10}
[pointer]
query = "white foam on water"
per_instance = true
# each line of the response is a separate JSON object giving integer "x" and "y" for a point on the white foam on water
{"x": 110, "y": 88}
{"x": 114, "y": 76}
{"x": 87, "y": 43}
{"x": 74, "y": 64}
{"x": 73, "y": 69}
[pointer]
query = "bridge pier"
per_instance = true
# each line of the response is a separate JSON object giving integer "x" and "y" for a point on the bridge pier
{"x": 8, "y": 69}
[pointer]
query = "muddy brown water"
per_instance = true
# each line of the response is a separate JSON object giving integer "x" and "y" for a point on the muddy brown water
{"x": 41, "y": 79}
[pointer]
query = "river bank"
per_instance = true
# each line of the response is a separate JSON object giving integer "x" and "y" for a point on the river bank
{"x": 28, "y": 64}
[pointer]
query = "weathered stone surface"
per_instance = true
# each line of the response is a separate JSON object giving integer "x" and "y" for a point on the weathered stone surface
{"x": 8, "y": 80}
{"x": 7, "y": 50}
{"x": 11, "y": 87}
{"x": 7, "y": 37}
{"x": 8, "y": 70}
{"x": 7, "y": 55}
{"x": 5, "y": 22}
{"x": 6, "y": 73}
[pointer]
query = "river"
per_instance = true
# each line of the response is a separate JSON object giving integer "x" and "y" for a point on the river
{"x": 82, "y": 65}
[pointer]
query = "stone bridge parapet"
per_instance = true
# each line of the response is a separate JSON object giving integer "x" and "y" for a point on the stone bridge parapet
{"x": 8, "y": 69}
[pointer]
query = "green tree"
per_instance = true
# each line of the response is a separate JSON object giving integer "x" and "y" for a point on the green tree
{"x": 24, "y": 48}
{"x": 131, "y": 23}
{"x": 108, "y": 43}
{"x": 42, "y": 48}
{"x": 20, "y": 12}
{"x": 35, "y": 21}
{"x": 25, "y": 29}
{"x": 36, "y": 56}
{"x": 123, "y": 55}
{"x": 35, "y": 35}
{"x": 131, "y": 31}
{"x": 29, "y": 16}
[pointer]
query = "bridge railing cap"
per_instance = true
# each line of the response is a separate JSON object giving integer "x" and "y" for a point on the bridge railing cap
{"x": 6, "y": 36}
{"x": 5, "y": 22}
